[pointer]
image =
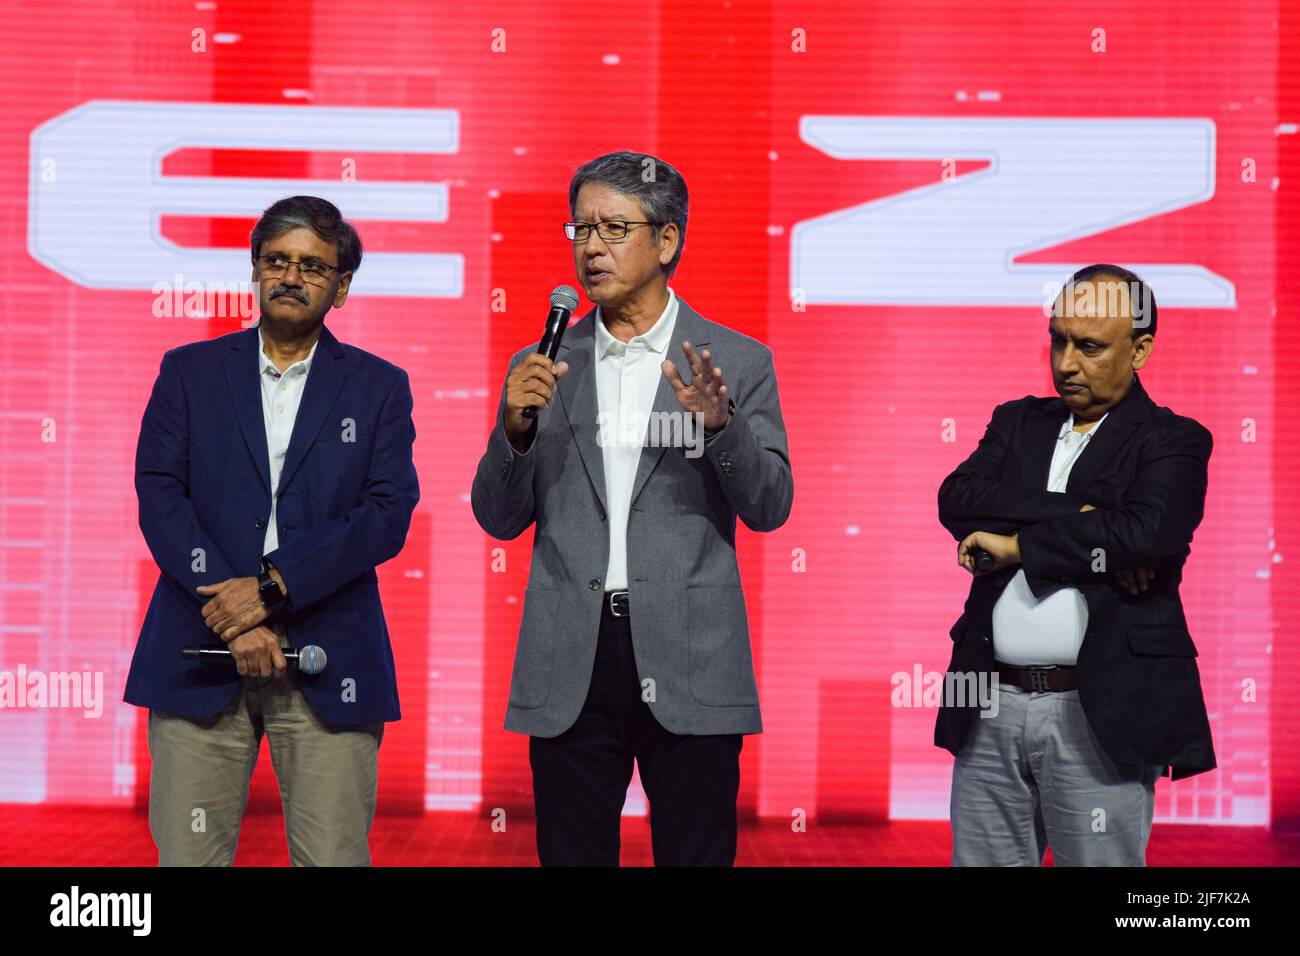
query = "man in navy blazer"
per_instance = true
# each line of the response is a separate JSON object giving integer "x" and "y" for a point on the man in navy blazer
{"x": 274, "y": 473}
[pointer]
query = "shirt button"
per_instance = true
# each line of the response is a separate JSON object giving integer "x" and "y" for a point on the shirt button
{"x": 594, "y": 584}
{"x": 279, "y": 408}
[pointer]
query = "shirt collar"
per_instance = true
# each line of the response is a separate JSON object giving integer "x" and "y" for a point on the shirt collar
{"x": 657, "y": 338}
{"x": 1069, "y": 424}
{"x": 266, "y": 362}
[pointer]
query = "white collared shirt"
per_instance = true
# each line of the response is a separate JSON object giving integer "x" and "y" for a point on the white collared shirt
{"x": 281, "y": 396}
{"x": 627, "y": 377}
{"x": 1029, "y": 631}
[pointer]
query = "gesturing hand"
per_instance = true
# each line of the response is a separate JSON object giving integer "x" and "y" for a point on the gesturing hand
{"x": 706, "y": 394}
{"x": 236, "y": 606}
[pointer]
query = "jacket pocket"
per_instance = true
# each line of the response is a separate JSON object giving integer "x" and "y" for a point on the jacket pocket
{"x": 1161, "y": 641}
{"x": 721, "y": 667}
{"x": 530, "y": 682}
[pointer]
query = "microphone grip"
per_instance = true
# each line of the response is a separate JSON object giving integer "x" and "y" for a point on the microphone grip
{"x": 550, "y": 343}
{"x": 983, "y": 560}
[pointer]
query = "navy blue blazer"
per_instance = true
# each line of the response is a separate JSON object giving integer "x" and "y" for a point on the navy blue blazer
{"x": 348, "y": 488}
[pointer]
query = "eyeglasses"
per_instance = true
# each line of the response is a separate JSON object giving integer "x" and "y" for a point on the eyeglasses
{"x": 276, "y": 265}
{"x": 611, "y": 231}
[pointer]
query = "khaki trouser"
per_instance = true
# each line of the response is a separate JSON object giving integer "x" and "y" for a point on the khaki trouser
{"x": 199, "y": 784}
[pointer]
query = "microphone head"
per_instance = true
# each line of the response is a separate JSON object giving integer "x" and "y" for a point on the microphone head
{"x": 564, "y": 297}
{"x": 311, "y": 660}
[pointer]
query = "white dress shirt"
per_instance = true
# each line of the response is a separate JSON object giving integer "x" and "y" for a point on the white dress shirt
{"x": 281, "y": 396}
{"x": 627, "y": 377}
{"x": 1029, "y": 631}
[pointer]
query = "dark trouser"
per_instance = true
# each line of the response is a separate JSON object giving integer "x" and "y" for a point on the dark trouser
{"x": 580, "y": 778}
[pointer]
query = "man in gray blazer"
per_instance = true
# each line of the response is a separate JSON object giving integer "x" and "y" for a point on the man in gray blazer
{"x": 634, "y": 642}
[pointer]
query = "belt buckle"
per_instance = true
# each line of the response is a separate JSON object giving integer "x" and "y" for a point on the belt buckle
{"x": 1038, "y": 677}
{"x": 617, "y": 599}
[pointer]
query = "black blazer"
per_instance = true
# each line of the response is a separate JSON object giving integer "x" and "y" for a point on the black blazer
{"x": 1145, "y": 473}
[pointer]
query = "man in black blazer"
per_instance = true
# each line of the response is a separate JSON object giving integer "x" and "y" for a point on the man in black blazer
{"x": 1086, "y": 504}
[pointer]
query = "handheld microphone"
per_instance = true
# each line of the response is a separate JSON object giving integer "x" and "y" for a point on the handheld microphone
{"x": 563, "y": 301}
{"x": 983, "y": 560}
{"x": 310, "y": 660}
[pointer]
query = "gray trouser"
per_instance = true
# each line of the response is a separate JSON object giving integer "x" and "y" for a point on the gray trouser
{"x": 199, "y": 784}
{"x": 1034, "y": 775}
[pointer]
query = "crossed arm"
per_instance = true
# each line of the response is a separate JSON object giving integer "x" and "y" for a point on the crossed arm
{"x": 1058, "y": 537}
{"x": 975, "y": 498}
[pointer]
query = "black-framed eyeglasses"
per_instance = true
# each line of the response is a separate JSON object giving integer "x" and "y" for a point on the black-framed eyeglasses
{"x": 611, "y": 230}
{"x": 275, "y": 265}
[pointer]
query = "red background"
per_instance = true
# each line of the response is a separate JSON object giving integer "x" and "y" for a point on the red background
{"x": 716, "y": 90}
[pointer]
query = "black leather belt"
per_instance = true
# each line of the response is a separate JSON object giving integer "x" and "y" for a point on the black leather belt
{"x": 617, "y": 604}
{"x": 1038, "y": 679}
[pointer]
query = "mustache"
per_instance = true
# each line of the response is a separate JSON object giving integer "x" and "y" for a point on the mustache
{"x": 298, "y": 294}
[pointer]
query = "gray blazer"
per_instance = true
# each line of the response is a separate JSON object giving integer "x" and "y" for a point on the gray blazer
{"x": 690, "y": 633}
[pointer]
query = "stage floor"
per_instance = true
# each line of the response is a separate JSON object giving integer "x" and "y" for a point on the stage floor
{"x": 78, "y": 836}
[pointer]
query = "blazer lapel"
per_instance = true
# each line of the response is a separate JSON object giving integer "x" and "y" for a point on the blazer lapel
{"x": 689, "y": 327}
{"x": 577, "y": 392}
{"x": 324, "y": 380}
{"x": 581, "y": 403}
{"x": 246, "y": 392}
{"x": 1112, "y": 435}
{"x": 322, "y": 388}
{"x": 1041, "y": 433}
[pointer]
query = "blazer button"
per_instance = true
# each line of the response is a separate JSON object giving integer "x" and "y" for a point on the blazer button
{"x": 987, "y": 639}
{"x": 259, "y": 523}
{"x": 594, "y": 584}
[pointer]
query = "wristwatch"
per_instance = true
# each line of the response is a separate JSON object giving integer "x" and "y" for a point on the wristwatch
{"x": 270, "y": 593}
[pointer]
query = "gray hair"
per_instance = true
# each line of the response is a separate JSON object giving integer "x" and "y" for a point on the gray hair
{"x": 659, "y": 188}
{"x": 310, "y": 212}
